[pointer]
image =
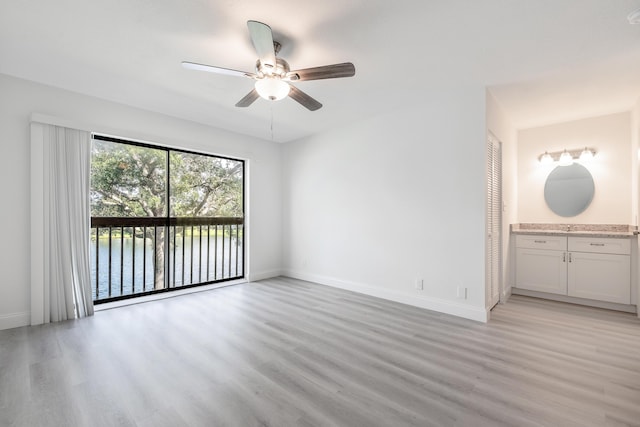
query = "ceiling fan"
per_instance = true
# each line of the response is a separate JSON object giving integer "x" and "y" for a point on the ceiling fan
{"x": 272, "y": 74}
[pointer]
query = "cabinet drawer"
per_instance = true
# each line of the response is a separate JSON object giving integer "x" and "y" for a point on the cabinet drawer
{"x": 600, "y": 245}
{"x": 556, "y": 243}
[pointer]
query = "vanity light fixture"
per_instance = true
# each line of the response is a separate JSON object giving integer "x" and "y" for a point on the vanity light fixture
{"x": 567, "y": 157}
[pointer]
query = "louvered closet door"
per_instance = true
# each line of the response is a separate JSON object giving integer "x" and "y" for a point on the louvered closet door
{"x": 494, "y": 221}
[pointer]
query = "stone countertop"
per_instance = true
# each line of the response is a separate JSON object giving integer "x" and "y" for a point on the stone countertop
{"x": 576, "y": 230}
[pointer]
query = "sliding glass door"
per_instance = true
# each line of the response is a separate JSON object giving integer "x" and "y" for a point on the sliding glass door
{"x": 163, "y": 219}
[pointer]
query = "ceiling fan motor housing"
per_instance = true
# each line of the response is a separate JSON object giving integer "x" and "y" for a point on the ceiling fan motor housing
{"x": 280, "y": 70}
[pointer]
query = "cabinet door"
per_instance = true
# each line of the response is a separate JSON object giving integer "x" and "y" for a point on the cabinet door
{"x": 604, "y": 277}
{"x": 541, "y": 270}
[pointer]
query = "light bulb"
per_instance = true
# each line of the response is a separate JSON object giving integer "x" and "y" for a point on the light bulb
{"x": 546, "y": 159}
{"x": 272, "y": 89}
{"x": 586, "y": 155}
{"x": 565, "y": 159}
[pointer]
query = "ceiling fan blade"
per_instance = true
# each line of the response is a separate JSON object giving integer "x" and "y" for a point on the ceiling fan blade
{"x": 218, "y": 70}
{"x": 304, "y": 99}
{"x": 346, "y": 69}
{"x": 248, "y": 99}
{"x": 262, "y": 39}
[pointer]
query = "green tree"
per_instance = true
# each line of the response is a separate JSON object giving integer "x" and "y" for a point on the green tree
{"x": 127, "y": 180}
{"x": 131, "y": 181}
{"x": 205, "y": 186}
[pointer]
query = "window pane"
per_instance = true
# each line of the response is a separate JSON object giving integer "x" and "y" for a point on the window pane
{"x": 205, "y": 186}
{"x": 127, "y": 180}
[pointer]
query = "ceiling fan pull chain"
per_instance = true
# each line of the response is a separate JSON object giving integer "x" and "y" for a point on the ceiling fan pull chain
{"x": 271, "y": 122}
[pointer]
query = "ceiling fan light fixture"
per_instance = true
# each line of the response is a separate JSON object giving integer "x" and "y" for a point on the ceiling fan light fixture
{"x": 272, "y": 89}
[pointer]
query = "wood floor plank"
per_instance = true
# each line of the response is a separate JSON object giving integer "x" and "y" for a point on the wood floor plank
{"x": 284, "y": 352}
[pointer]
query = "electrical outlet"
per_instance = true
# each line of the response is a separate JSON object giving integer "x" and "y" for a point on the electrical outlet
{"x": 461, "y": 292}
{"x": 419, "y": 284}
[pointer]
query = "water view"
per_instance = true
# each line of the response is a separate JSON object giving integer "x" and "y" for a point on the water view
{"x": 191, "y": 261}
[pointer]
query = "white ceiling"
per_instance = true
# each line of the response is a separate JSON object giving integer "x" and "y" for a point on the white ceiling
{"x": 545, "y": 60}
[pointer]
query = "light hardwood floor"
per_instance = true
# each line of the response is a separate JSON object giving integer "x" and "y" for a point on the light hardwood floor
{"x": 284, "y": 352}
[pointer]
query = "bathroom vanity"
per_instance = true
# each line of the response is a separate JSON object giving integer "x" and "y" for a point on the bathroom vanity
{"x": 585, "y": 264}
{"x": 590, "y": 264}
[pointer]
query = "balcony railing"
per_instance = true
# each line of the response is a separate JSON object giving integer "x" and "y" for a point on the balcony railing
{"x": 139, "y": 256}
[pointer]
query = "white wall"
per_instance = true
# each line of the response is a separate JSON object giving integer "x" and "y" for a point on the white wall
{"x": 499, "y": 124}
{"x": 20, "y": 98}
{"x": 635, "y": 158}
{"x": 375, "y": 205}
{"x": 613, "y": 202}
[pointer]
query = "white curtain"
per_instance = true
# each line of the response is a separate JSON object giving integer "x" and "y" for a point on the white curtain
{"x": 66, "y": 270}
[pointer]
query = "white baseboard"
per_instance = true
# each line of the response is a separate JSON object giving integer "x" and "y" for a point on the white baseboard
{"x": 435, "y": 304}
{"x": 15, "y": 320}
{"x": 574, "y": 300}
{"x": 262, "y": 275}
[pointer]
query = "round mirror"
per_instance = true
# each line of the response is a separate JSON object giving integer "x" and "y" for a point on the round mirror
{"x": 569, "y": 190}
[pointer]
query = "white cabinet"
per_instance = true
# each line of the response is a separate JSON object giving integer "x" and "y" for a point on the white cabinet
{"x": 600, "y": 269}
{"x": 582, "y": 267}
{"x": 541, "y": 263}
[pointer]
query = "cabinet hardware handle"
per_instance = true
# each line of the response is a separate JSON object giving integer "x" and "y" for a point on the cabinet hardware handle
{"x": 564, "y": 257}
{"x": 570, "y": 257}
{"x": 596, "y": 244}
{"x": 539, "y": 241}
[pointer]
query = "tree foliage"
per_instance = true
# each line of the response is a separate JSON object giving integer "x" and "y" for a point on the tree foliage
{"x": 127, "y": 180}
{"x": 205, "y": 186}
{"x": 131, "y": 181}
